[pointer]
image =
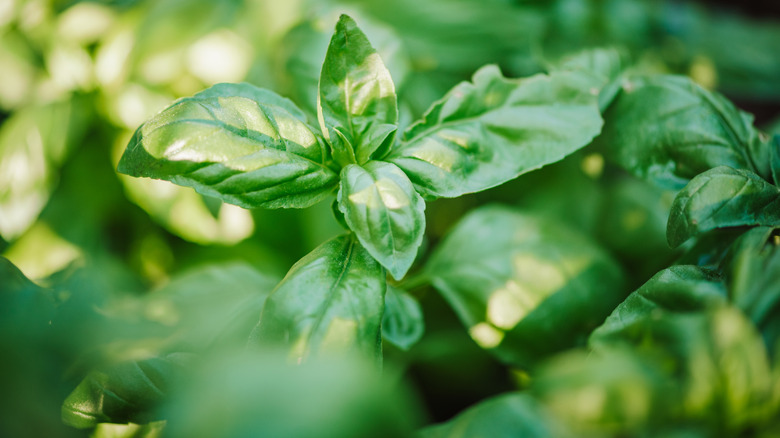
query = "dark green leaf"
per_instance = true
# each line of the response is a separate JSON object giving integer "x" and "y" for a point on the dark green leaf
{"x": 506, "y": 416}
{"x": 331, "y": 300}
{"x": 402, "y": 322}
{"x": 525, "y": 286}
{"x": 722, "y": 197}
{"x": 357, "y": 105}
{"x": 604, "y": 65}
{"x": 678, "y": 289}
{"x": 388, "y": 216}
{"x": 263, "y": 395}
{"x": 752, "y": 270}
{"x": 245, "y": 152}
{"x": 667, "y": 130}
{"x": 493, "y": 129}
{"x": 122, "y": 393}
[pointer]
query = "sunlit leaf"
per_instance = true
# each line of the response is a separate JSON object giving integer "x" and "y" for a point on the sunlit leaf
{"x": 357, "y": 105}
{"x": 245, "y": 152}
{"x": 524, "y": 286}
{"x": 488, "y": 131}
{"x": 381, "y": 206}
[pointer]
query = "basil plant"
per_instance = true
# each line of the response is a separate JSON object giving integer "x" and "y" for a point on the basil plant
{"x": 250, "y": 147}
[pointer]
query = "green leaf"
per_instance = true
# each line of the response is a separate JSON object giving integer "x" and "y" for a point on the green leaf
{"x": 388, "y": 216}
{"x": 126, "y": 392}
{"x": 506, "y": 416}
{"x": 604, "y": 65}
{"x": 356, "y": 104}
{"x": 608, "y": 392}
{"x": 260, "y": 394}
{"x": 678, "y": 289}
{"x": 246, "y": 152}
{"x": 208, "y": 306}
{"x": 402, "y": 322}
{"x": 667, "y": 130}
{"x": 722, "y": 197}
{"x": 331, "y": 300}
{"x": 486, "y": 132}
{"x": 34, "y": 142}
{"x": 525, "y": 286}
{"x": 752, "y": 270}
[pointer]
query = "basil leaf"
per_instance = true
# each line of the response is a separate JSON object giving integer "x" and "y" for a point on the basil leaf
{"x": 356, "y": 105}
{"x": 751, "y": 272}
{"x": 604, "y": 65}
{"x": 125, "y": 392}
{"x": 667, "y": 130}
{"x": 493, "y": 129}
{"x": 635, "y": 396}
{"x": 245, "y": 152}
{"x": 505, "y": 416}
{"x": 381, "y": 206}
{"x": 525, "y": 286}
{"x": 722, "y": 197}
{"x": 402, "y": 322}
{"x": 34, "y": 142}
{"x": 678, "y": 289}
{"x": 331, "y": 300}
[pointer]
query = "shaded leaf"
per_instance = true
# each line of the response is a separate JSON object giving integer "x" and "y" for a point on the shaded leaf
{"x": 402, "y": 321}
{"x": 388, "y": 216}
{"x": 678, "y": 289}
{"x": 722, "y": 197}
{"x": 126, "y": 392}
{"x": 506, "y": 416}
{"x": 490, "y": 130}
{"x": 667, "y": 130}
{"x": 331, "y": 300}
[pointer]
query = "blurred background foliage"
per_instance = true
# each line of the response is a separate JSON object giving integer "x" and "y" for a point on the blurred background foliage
{"x": 138, "y": 270}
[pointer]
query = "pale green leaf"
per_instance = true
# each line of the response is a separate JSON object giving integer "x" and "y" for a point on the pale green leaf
{"x": 381, "y": 206}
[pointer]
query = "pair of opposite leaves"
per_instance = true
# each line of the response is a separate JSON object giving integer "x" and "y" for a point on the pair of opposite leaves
{"x": 253, "y": 148}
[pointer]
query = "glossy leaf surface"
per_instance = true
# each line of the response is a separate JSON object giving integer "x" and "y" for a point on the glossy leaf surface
{"x": 357, "y": 105}
{"x": 386, "y": 213}
{"x": 490, "y": 130}
{"x": 524, "y": 286}
{"x": 402, "y": 322}
{"x": 722, "y": 197}
{"x": 678, "y": 289}
{"x": 667, "y": 129}
{"x": 330, "y": 301}
{"x": 226, "y": 144}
